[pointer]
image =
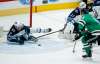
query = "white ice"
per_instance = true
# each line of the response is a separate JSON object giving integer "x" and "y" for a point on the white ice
{"x": 53, "y": 50}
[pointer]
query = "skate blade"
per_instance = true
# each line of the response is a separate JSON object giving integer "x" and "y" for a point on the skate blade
{"x": 87, "y": 59}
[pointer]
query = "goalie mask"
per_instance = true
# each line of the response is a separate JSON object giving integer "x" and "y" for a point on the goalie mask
{"x": 18, "y": 25}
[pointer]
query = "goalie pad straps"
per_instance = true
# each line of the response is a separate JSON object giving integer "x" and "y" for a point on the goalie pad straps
{"x": 45, "y": 30}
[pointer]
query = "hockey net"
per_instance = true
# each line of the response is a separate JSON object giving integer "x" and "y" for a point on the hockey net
{"x": 10, "y": 12}
{"x": 16, "y": 10}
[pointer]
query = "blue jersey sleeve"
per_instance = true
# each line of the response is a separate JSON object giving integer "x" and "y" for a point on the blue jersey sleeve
{"x": 73, "y": 14}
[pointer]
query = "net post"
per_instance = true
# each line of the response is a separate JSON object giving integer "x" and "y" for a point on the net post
{"x": 31, "y": 3}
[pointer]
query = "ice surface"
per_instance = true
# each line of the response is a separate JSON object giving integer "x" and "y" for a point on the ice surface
{"x": 53, "y": 50}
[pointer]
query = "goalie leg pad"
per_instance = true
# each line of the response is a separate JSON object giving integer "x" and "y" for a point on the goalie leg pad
{"x": 40, "y": 30}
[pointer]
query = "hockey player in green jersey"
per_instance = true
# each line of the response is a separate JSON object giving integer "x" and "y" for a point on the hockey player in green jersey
{"x": 89, "y": 30}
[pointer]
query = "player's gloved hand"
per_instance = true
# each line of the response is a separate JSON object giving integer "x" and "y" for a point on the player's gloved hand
{"x": 62, "y": 30}
{"x": 77, "y": 36}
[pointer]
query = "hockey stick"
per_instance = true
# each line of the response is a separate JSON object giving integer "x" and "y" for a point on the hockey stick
{"x": 92, "y": 39}
{"x": 87, "y": 41}
{"x": 35, "y": 38}
{"x": 74, "y": 44}
{"x": 74, "y": 47}
{"x": 61, "y": 30}
{"x": 64, "y": 26}
{"x": 54, "y": 31}
{"x": 48, "y": 34}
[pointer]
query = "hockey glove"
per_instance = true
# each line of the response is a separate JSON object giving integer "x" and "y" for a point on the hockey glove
{"x": 77, "y": 36}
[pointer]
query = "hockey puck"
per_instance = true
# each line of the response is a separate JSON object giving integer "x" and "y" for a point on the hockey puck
{"x": 39, "y": 44}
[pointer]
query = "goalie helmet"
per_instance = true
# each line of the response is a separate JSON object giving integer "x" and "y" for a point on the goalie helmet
{"x": 18, "y": 25}
{"x": 82, "y": 5}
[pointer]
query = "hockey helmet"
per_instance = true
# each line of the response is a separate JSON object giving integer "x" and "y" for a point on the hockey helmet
{"x": 82, "y": 5}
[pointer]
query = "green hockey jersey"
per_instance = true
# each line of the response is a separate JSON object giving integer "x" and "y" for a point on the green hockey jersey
{"x": 90, "y": 23}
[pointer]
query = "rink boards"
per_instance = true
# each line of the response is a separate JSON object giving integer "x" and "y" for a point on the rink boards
{"x": 40, "y": 8}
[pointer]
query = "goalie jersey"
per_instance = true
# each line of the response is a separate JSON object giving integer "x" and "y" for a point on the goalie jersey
{"x": 13, "y": 31}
